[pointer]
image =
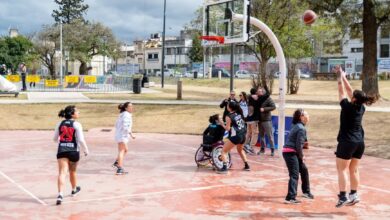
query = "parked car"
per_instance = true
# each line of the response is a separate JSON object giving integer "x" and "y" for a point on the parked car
{"x": 167, "y": 73}
{"x": 224, "y": 73}
{"x": 191, "y": 74}
{"x": 244, "y": 74}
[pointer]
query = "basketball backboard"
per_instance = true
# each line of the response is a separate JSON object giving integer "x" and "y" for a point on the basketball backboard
{"x": 217, "y": 20}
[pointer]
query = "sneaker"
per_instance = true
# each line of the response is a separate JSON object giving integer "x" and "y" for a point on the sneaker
{"x": 247, "y": 168}
{"x": 115, "y": 165}
{"x": 59, "y": 200}
{"x": 76, "y": 191}
{"x": 272, "y": 152}
{"x": 261, "y": 151}
{"x": 342, "y": 201}
{"x": 353, "y": 199}
{"x": 120, "y": 171}
{"x": 224, "y": 170}
{"x": 291, "y": 201}
{"x": 308, "y": 195}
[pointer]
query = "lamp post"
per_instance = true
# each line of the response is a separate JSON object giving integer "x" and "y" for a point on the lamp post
{"x": 104, "y": 54}
{"x": 163, "y": 46}
{"x": 61, "y": 71}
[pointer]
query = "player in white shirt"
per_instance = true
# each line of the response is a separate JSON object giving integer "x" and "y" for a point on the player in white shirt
{"x": 123, "y": 132}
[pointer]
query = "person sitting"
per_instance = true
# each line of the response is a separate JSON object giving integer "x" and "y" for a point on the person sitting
{"x": 214, "y": 132}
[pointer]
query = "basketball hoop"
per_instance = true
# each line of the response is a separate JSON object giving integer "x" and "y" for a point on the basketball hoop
{"x": 212, "y": 40}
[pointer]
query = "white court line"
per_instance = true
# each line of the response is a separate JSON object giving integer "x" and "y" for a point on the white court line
{"x": 252, "y": 161}
{"x": 22, "y": 188}
{"x": 173, "y": 190}
{"x": 284, "y": 168}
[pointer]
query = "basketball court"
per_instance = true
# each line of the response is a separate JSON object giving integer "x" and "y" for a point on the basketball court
{"x": 165, "y": 183}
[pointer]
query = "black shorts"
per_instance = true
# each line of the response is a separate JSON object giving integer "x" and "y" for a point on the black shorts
{"x": 238, "y": 139}
{"x": 349, "y": 150}
{"x": 73, "y": 156}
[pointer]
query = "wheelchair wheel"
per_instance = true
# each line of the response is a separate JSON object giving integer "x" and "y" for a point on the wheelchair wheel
{"x": 202, "y": 159}
{"x": 217, "y": 160}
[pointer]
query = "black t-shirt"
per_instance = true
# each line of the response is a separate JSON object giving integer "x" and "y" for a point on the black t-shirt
{"x": 237, "y": 125}
{"x": 67, "y": 134}
{"x": 351, "y": 116}
{"x": 253, "y": 112}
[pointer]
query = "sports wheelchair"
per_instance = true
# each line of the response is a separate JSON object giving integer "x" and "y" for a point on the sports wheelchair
{"x": 211, "y": 154}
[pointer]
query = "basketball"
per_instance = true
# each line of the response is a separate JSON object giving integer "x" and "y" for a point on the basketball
{"x": 309, "y": 17}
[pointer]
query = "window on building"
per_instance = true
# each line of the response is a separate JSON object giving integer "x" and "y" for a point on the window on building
{"x": 139, "y": 60}
{"x": 357, "y": 50}
{"x": 152, "y": 56}
{"x": 384, "y": 50}
{"x": 385, "y": 31}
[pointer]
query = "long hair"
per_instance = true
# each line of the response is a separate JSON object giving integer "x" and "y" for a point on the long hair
{"x": 244, "y": 96}
{"x": 68, "y": 112}
{"x": 122, "y": 107}
{"x": 362, "y": 98}
{"x": 297, "y": 115}
{"x": 235, "y": 107}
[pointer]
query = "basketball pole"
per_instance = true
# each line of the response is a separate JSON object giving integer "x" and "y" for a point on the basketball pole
{"x": 282, "y": 67}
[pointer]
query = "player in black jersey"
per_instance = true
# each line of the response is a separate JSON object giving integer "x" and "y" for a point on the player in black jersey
{"x": 236, "y": 127}
{"x": 350, "y": 139}
{"x": 69, "y": 135}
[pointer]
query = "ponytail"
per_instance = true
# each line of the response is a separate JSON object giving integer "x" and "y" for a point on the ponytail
{"x": 123, "y": 107}
{"x": 68, "y": 112}
{"x": 362, "y": 98}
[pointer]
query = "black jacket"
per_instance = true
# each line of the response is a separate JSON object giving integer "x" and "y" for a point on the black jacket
{"x": 297, "y": 138}
{"x": 268, "y": 105}
{"x": 224, "y": 104}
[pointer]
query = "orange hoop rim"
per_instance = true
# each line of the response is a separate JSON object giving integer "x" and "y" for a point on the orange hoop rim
{"x": 219, "y": 39}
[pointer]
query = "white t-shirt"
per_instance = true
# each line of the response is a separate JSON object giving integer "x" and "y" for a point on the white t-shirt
{"x": 244, "y": 108}
{"x": 123, "y": 127}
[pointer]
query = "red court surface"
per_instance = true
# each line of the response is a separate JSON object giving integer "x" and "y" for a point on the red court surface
{"x": 164, "y": 183}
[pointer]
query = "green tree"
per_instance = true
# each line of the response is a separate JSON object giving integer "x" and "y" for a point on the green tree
{"x": 196, "y": 52}
{"x": 85, "y": 40}
{"x": 15, "y": 50}
{"x": 46, "y": 43}
{"x": 367, "y": 14}
{"x": 69, "y": 10}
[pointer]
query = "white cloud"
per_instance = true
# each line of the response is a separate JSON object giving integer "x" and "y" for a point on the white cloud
{"x": 129, "y": 19}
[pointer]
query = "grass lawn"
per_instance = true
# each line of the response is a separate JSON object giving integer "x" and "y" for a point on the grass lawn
{"x": 311, "y": 91}
{"x": 322, "y": 130}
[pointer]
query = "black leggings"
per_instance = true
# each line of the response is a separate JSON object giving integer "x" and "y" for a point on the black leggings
{"x": 295, "y": 167}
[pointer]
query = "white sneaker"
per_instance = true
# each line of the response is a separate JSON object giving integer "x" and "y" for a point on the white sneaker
{"x": 353, "y": 199}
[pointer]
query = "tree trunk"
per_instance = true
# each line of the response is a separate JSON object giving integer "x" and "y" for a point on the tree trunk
{"x": 52, "y": 71}
{"x": 83, "y": 68}
{"x": 370, "y": 28}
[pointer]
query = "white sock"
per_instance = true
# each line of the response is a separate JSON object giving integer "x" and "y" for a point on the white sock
{"x": 74, "y": 189}
{"x": 60, "y": 194}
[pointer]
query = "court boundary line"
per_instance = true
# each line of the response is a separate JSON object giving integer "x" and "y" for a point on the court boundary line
{"x": 199, "y": 188}
{"x": 23, "y": 189}
{"x": 262, "y": 163}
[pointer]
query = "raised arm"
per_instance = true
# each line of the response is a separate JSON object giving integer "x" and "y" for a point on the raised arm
{"x": 340, "y": 84}
{"x": 347, "y": 86}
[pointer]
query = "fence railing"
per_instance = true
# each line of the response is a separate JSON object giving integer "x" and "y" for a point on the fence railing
{"x": 108, "y": 83}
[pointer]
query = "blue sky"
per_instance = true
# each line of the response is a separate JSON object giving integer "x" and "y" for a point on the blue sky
{"x": 129, "y": 19}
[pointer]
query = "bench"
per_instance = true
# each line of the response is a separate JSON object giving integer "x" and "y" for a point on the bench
{"x": 324, "y": 76}
{"x": 16, "y": 94}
